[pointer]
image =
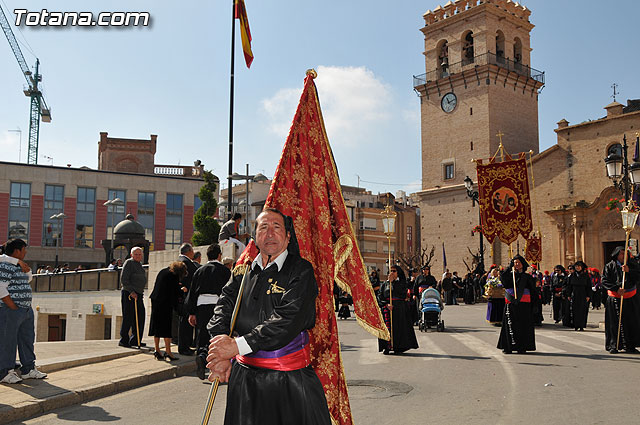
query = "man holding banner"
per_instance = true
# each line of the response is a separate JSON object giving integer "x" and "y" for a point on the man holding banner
{"x": 272, "y": 380}
{"x": 612, "y": 282}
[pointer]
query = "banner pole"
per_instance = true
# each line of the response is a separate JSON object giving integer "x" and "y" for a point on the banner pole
{"x": 624, "y": 275}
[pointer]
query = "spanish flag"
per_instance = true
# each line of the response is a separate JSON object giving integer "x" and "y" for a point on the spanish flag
{"x": 245, "y": 33}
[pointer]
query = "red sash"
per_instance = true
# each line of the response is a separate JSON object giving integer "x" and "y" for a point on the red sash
{"x": 626, "y": 294}
{"x": 526, "y": 298}
{"x": 294, "y": 361}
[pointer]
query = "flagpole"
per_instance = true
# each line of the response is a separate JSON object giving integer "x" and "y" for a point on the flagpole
{"x": 233, "y": 40}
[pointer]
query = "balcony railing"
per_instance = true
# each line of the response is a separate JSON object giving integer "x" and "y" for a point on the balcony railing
{"x": 178, "y": 170}
{"x": 479, "y": 60}
{"x": 79, "y": 281}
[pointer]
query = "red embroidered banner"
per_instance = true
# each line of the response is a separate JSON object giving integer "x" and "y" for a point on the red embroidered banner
{"x": 306, "y": 187}
{"x": 533, "y": 250}
{"x": 505, "y": 205}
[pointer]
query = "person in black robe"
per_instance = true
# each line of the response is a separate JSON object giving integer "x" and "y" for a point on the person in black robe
{"x": 345, "y": 301}
{"x": 164, "y": 298}
{"x": 517, "y": 332}
{"x": 272, "y": 381}
{"x": 567, "y": 312}
{"x": 469, "y": 290}
{"x": 612, "y": 282}
{"x": 404, "y": 337}
{"x": 422, "y": 282}
{"x": 557, "y": 283}
{"x": 206, "y": 287}
{"x": 579, "y": 294}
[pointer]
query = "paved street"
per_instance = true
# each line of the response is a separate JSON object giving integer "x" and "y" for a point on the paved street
{"x": 455, "y": 377}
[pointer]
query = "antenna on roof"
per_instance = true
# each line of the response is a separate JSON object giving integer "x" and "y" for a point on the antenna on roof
{"x": 615, "y": 91}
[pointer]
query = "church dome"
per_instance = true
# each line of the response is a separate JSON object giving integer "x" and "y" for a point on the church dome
{"x": 129, "y": 229}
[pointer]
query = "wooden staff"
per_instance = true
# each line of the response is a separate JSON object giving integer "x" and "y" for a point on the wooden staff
{"x": 513, "y": 272}
{"x": 216, "y": 383}
{"x": 135, "y": 304}
{"x": 624, "y": 275}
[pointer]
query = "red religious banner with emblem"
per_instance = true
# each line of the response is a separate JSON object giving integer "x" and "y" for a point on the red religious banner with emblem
{"x": 306, "y": 187}
{"x": 505, "y": 205}
{"x": 533, "y": 250}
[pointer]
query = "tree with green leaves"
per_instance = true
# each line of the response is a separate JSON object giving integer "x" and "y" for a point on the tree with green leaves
{"x": 207, "y": 227}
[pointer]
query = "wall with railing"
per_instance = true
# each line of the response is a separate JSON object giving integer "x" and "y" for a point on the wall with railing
{"x": 78, "y": 281}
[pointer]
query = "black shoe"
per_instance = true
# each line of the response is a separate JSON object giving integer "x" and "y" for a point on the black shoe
{"x": 613, "y": 351}
{"x": 200, "y": 367}
{"x": 170, "y": 357}
{"x": 522, "y": 352}
{"x": 188, "y": 352}
{"x": 124, "y": 344}
{"x": 631, "y": 351}
{"x": 157, "y": 355}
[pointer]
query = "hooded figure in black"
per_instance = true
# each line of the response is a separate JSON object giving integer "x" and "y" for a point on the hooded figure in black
{"x": 579, "y": 294}
{"x": 272, "y": 381}
{"x": 517, "y": 332}
{"x": 612, "y": 282}
{"x": 403, "y": 335}
{"x": 557, "y": 283}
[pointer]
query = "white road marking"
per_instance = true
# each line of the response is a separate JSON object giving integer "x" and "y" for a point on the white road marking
{"x": 426, "y": 342}
{"x": 572, "y": 340}
{"x": 369, "y": 352}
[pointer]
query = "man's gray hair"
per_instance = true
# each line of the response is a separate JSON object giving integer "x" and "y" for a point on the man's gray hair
{"x": 185, "y": 247}
{"x": 135, "y": 248}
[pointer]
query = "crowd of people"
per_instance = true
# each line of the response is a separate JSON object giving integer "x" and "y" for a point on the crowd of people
{"x": 515, "y": 296}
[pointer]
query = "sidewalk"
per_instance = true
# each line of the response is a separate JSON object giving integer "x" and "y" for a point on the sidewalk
{"x": 80, "y": 371}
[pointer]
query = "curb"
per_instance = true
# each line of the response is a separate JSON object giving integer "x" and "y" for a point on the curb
{"x": 34, "y": 408}
{"x": 59, "y": 364}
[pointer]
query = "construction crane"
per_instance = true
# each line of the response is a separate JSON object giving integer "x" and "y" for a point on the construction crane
{"x": 39, "y": 109}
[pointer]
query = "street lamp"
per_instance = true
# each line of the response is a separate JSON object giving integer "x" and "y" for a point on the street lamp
{"x": 60, "y": 216}
{"x": 115, "y": 202}
{"x": 474, "y": 195}
{"x": 254, "y": 178}
{"x": 621, "y": 172}
{"x": 389, "y": 227}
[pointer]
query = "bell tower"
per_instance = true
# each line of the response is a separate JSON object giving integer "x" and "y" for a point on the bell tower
{"x": 478, "y": 82}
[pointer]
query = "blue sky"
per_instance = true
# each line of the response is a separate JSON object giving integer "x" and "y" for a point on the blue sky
{"x": 172, "y": 79}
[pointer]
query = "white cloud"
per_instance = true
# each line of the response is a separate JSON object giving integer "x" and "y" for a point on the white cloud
{"x": 353, "y": 103}
{"x": 10, "y": 146}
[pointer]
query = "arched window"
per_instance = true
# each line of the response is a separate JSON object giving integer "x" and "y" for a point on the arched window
{"x": 615, "y": 149}
{"x": 467, "y": 49}
{"x": 500, "y": 46}
{"x": 443, "y": 59}
{"x": 517, "y": 50}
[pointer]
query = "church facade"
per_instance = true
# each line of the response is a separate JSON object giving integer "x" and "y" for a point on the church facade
{"x": 480, "y": 88}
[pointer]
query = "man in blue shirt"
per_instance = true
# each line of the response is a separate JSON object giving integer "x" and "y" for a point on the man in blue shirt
{"x": 16, "y": 317}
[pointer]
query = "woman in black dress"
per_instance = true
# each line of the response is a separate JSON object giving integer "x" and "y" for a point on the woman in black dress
{"x": 164, "y": 298}
{"x": 404, "y": 337}
{"x": 517, "y": 333}
{"x": 580, "y": 293}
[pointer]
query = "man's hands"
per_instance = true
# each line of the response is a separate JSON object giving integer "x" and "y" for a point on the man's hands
{"x": 625, "y": 268}
{"x": 221, "y": 350}
{"x": 621, "y": 291}
{"x": 192, "y": 320}
{"x": 24, "y": 266}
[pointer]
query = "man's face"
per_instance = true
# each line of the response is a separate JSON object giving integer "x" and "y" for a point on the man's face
{"x": 517, "y": 264}
{"x": 621, "y": 257}
{"x": 137, "y": 255}
{"x": 426, "y": 272}
{"x": 20, "y": 253}
{"x": 271, "y": 237}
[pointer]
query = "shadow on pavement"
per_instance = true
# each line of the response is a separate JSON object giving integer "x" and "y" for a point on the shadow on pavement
{"x": 633, "y": 358}
{"x": 442, "y": 356}
{"x": 83, "y": 413}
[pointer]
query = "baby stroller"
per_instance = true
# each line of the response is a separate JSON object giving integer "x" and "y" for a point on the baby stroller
{"x": 431, "y": 307}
